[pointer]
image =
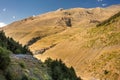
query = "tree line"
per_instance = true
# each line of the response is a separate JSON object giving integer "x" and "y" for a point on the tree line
{"x": 10, "y": 44}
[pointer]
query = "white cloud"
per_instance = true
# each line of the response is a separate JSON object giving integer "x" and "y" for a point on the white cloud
{"x": 4, "y": 9}
{"x": 104, "y": 5}
{"x": 33, "y": 15}
{"x": 2, "y": 24}
{"x": 99, "y": 0}
{"x": 14, "y": 17}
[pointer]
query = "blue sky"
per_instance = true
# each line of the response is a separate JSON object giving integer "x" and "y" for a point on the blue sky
{"x": 12, "y": 10}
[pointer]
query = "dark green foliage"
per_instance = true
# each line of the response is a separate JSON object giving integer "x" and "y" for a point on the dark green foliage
{"x": 8, "y": 75}
{"x": 22, "y": 64}
{"x": 106, "y": 72}
{"x": 25, "y": 77}
{"x": 33, "y": 40}
{"x": 4, "y": 59}
{"x": 12, "y": 45}
{"x": 108, "y": 21}
{"x": 11, "y": 75}
{"x": 58, "y": 70}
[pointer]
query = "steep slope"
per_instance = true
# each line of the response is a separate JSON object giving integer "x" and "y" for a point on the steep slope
{"x": 23, "y": 66}
{"x": 16, "y": 62}
{"x": 78, "y": 43}
{"x": 107, "y": 65}
{"x": 12, "y": 45}
{"x": 88, "y": 47}
{"x": 55, "y": 22}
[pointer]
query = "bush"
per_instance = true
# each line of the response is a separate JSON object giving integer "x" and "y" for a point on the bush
{"x": 4, "y": 59}
{"x": 33, "y": 40}
{"x": 25, "y": 77}
{"x": 9, "y": 76}
{"x": 106, "y": 72}
{"x": 22, "y": 64}
{"x": 33, "y": 78}
{"x": 12, "y": 45}
{"x": 59, "y": 71}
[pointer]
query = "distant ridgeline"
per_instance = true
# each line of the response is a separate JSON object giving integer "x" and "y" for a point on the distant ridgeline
{"x": 13, "y": 46}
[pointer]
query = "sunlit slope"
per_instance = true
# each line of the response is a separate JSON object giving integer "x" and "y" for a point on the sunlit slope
{"x": 107, "y": 65}
{"x": 55, "y": 22}
{"x": 71, "y": 35}
{"x": 80, "y": 18}
{"x": 88, "y": 46}
{"x": 55, "y": 39}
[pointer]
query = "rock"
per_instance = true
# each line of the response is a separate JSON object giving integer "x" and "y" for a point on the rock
{"x": 60, "y": 9}
{"x": 64, "y": 21}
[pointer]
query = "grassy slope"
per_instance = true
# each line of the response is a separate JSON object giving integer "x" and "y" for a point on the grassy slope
{"x": 87, "y": 46}
{"x": 15, "y": 66}
{"x": 107, "y": 65}
{"x": 80, "y": 17}
{"x": 4, "y": 53}
{"x": 75, "y": 46}
{"x": 27, "y": 66}
{"x": 54, "y": 22}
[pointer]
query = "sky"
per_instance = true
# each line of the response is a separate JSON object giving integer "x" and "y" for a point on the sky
{"x": 13, "y": 10}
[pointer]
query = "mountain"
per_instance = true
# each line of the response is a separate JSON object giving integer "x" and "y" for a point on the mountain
{"x": 56, "y": 22}
{"x": 87, "y": 39}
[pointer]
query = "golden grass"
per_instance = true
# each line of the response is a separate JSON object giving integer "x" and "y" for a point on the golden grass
{"x": 77, "y": 45}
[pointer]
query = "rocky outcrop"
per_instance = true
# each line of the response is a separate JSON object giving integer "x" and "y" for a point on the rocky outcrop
{"x": 64, "y": 21}
{"x": 60, "y": 9}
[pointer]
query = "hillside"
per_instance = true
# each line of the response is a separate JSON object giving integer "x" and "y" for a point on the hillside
{"x": 56, "y": 22}
{"x": 72, "y": 36}
{"x": 107, "y": 64}
{"x": 88, "y": 46}
{"x": 11, "y": 45}
{"x": 18, "y": 64}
